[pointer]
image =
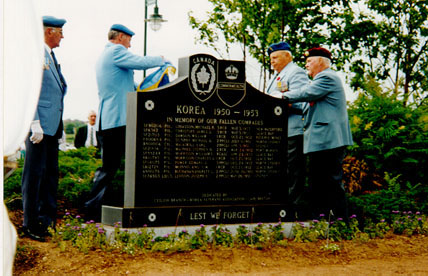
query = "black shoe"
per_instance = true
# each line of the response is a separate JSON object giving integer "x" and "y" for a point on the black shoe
{"x": 32, "y": 235}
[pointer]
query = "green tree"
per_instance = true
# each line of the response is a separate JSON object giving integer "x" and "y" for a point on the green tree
{"x": 385, "y": 40}
{"x": 71, "y": 125}
{"x": 256, "y": 24}
{"x": 389, "y": 42}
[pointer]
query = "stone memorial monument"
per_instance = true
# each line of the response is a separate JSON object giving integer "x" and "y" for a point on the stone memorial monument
{"x": 207, "y": 148}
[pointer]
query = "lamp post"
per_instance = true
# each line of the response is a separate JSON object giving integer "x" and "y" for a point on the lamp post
{"x": 155, "y": 21}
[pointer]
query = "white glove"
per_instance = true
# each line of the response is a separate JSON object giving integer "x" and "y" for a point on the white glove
{"x": 37, "y": 132}
{"x": 62, "y": 139}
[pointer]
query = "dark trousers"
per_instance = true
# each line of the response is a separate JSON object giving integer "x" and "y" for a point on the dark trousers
{"x": 40, "y": 183}
{"x": 296, "y": 170}
{"x": 326, "y": 187}
{"x": 112, "y": 152}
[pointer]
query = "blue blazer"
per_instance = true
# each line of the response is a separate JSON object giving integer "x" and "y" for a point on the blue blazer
{"x": 51, "y": 99}
{"x": 115, "y": 78}
{"x": 326, "y": 123}
{"x": 294, "y": 77}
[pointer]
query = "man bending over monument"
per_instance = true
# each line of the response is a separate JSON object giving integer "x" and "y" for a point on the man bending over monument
{"x": 115, "y": 78}
{"x": 326, "y": 133}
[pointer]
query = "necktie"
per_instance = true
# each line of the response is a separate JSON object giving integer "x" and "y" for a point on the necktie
{"x": 58, "y": 69}
{"x": 55, "y": 61}
{"x": 91, "y": 139}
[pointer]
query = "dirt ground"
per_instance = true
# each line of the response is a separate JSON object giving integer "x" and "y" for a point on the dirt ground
{"x": 393, "y": 255}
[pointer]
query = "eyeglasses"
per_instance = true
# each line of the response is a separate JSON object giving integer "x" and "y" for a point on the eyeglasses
{"x": 59, "y": 30}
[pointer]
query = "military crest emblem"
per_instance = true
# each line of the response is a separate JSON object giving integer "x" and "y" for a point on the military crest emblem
{"x": 203, "y": 76}
{"x": 231, "y": 82}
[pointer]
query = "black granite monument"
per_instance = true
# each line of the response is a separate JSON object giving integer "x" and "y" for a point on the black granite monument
{"x": 207, "y": 148}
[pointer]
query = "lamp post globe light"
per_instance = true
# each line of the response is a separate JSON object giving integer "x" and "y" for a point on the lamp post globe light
{"x": 155, "y": 21}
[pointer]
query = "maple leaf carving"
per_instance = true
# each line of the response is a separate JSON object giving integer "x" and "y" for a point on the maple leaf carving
{"x": 203, "y": 76}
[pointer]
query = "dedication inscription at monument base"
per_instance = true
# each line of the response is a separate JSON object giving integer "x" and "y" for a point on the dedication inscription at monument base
{"x": 206, "y": 149}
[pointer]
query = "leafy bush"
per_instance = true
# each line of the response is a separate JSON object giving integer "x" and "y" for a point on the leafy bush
{"x": 76, "y": 172}
{"x": 376, "y": 230}
{"x": 409, "y": 223}
{"x": 326, "y": 230}
{"x": 379, "y": 205}
{"x": 200, "y": 239}
{"x": 12, "y": 188}
{"x": 221, "y": 236}
{"x": 389, "y": 136}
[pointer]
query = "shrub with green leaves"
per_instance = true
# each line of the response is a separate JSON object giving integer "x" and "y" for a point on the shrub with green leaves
{"x": 340, "y": 230}
{"x": 261, "y": 236}
{"x": 171, "y": 243}
{"x": 379, "y": 205}
{"x": 390, "y": 136}
{"x": 376, "y": 230}
{"x": 221, "y": 236}
{"x": 324, "y": 229}
{"x": 12, "y": 188}
{"x": 76, "y": 172}
{"x": 315, "y": 231}
{"x": 409, "y": 223}
{"x": 132, "y": 241}
{"x": 85, "y": 236}
{"x": 200, "y": 239}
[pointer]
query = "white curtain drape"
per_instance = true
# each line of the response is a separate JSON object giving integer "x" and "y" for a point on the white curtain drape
{"x": 21, "y": 75}
{"x": 21, "y": 70}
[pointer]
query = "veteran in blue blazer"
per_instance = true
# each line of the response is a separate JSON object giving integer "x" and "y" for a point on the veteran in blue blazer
{"x": 40, "y": 173}
{"x": 326, "y": 132}
{"x": 289, "y": 76}
{"x": 115, "y": 78}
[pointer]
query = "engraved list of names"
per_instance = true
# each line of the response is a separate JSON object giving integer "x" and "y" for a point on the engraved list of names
{"x": 210, "y": 142}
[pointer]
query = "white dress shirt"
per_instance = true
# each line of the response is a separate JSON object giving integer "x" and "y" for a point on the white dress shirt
{"x": 91, "y": 130}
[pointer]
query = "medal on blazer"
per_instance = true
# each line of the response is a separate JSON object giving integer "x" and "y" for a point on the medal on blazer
{"x": 46, "y": 64}
{"x": 281, "y": 85}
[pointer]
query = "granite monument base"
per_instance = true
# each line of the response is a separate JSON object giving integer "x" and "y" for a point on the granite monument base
{"x": 134, "y": 217}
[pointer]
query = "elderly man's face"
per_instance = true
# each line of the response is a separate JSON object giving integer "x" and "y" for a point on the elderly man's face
{"x": 91, "y": 118}
{"x": 279, "y": 60}
{"x": 125, "y": 40}
{"x": 53, "y": 37}
{"x": 314, "y": 65}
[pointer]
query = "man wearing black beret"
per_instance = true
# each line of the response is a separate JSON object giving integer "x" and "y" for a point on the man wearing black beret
{"x": 326, "y": 133}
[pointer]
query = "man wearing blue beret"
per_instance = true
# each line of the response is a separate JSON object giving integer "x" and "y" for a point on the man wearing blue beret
{"x": 289, "y": 76}
{"x": 40, "y": 173}
{"x": 326, "y": 134}
{"x": 115, "y": 78}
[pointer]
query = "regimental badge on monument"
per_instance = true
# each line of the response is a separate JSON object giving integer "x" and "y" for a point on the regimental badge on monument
{"x": 231, "y": 82}
{"x": 202, "y": 76}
